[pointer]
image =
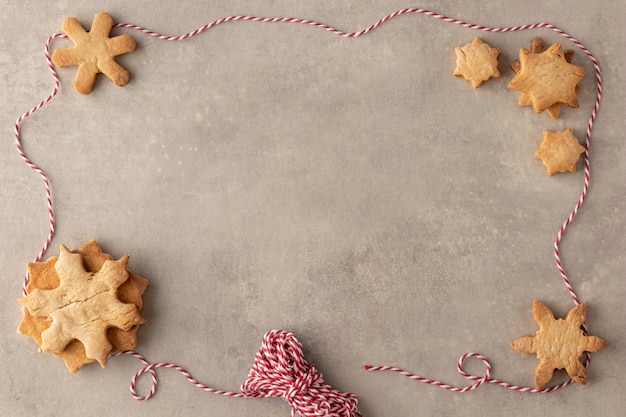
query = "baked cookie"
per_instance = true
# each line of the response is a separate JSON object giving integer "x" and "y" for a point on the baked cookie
{"x": 559, "y": 343}
{"x": 94, "y": 52}
{"x": 547, "y": 78}
{"x": 102, "y": 336}
{"x": 559, "y": 151}
{"x": 476, "y": 62}
{"x": 537, "y": 45}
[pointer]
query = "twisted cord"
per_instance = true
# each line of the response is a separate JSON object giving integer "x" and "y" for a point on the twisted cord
{"x": 279, "y": 370}
{"x": 479, "y": 380}
{"x": 149, "y": 368}
{"x": 31, "y": 164}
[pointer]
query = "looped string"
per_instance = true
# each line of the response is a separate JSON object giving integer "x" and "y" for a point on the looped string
{"x": 147, "y": 368}
{"x": 150, "y": 368}
{"x": 480, "y": 380}
{"x": 279, "y": 370}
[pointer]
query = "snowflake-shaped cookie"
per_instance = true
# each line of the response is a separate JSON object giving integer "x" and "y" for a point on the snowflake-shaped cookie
{"x": 537, "y": 45}
{"x": 94, "y": 52}
{"x": 559, "y": 151}
{"x": 82, "y": 308}
{"x": 476, "y": 62}
{"x": 559, "y": 343}
{"x": 547, "y": 78}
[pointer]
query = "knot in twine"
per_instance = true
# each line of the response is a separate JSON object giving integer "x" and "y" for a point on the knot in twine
{"x": 280, "y": 370}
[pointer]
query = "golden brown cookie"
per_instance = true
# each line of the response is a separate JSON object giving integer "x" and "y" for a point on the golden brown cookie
{"x": 45, "y": 278}
{"x": 559, "y": 343}
{"x": 537, "y": 45}
{"x": 547, "y": 78}
{"x": 559, "y": 151}
{"x": 94, "y": 52}
{"x": 476, "y": 62}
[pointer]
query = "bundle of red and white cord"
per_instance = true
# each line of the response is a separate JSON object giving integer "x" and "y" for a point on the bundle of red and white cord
{"x": 279, "y": 370}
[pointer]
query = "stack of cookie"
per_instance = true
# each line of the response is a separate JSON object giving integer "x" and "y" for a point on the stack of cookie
{"x": 82, "y": 306}
{"x": 546, "y": 79}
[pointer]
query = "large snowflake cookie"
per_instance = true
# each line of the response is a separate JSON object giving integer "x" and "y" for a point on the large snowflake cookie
{"x": 546, "y": 78}
{"x": 537, "y": 46}
{"x": 83, "y": 305}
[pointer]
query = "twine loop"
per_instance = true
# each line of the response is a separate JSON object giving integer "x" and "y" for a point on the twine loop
{"x": 479, "y": 380}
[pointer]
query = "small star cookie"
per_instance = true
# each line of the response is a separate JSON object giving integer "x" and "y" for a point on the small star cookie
{"x": 537, "y": 45}
{"x": 559, "y": 343}
{"x": 476, "y": 62}
{"x": 559, "y": 151}
{"x": 547, "y": 78}
{"x": 94, "y": 52}
{"x": 86, "y": 334}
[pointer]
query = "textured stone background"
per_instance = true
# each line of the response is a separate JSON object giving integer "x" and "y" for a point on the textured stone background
{"x": 348, "y": 190}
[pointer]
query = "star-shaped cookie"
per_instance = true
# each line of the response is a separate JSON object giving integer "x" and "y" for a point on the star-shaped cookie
{"x": 559, "y": 151}
{"x": 559, "y": 343}
{"x": 537, "y": 45}
{"x": 89, "y": 343}
{"x": 476, "y": 62}
{"x": 547, "y": 78}
{"x": 94, "y": 52}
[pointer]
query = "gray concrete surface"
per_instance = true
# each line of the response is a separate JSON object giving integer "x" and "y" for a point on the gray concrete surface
{"x": 275, "y": 176}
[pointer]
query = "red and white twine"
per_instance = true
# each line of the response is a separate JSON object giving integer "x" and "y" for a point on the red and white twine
{"x": 279, "y": 369}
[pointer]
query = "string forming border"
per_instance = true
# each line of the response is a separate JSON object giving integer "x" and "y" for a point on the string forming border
{"x": 479, "y": 380}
